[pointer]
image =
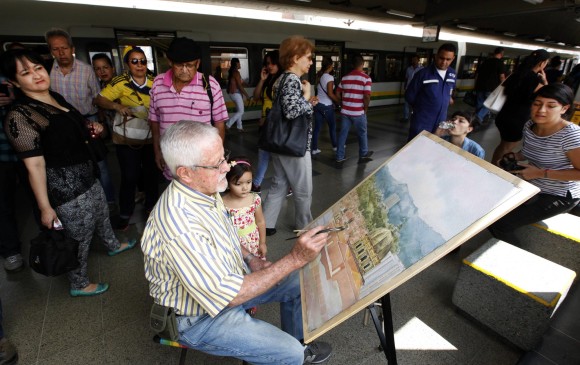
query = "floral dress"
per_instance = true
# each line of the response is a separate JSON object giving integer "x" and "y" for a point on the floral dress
{"x": 244, "y": 219}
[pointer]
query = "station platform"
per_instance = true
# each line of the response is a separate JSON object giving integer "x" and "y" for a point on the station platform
{"x": 50, "y": 327}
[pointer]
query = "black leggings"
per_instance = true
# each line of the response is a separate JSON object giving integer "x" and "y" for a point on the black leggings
{"x": 537, "y": 208}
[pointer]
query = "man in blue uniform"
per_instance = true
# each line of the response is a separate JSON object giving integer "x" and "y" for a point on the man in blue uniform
{"x": 429, "y": 92}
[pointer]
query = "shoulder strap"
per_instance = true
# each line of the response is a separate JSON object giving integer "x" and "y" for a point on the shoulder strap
{"x": 209, "y": 92}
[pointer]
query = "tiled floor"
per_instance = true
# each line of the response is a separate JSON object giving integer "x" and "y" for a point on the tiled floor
{"x": 50, "y": 327}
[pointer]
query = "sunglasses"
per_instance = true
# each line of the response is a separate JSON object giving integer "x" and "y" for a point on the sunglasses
{"x": 135, "y": 61}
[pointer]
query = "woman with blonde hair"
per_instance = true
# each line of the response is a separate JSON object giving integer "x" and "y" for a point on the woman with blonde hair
{"x": 290, "y": 171}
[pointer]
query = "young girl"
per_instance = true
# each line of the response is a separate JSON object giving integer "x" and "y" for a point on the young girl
{"x": 245, "y": 207}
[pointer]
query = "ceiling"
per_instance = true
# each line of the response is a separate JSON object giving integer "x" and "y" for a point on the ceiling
{"x": 551, "y": 20}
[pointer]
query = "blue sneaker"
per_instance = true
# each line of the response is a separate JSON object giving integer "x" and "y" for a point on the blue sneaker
{"x": 129, "y": 246}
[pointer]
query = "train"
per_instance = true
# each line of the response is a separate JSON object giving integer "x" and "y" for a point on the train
{"x": 110, "y": 29}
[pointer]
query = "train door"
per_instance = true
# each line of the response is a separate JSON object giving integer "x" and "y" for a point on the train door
{"x": 154, "y": 44}
{"x": 334, "y": 50}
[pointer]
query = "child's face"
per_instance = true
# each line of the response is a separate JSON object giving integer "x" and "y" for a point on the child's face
{"x": 242, "y": 187}
{"x": 461, "y": 126}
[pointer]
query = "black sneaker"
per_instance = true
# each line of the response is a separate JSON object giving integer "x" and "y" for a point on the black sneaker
{"x": 317, "y": 352}
{"x": 366, "y": 158}
{"x": 256, "y": 189}
{"x": 339, "y": 162}
{"x": 270, "y": 231}
{"x": 289, "y": 193}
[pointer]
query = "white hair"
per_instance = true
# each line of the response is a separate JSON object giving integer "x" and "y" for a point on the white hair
{"x": 184, "y": 142}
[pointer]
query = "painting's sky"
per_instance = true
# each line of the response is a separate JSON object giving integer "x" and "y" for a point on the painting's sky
{"x": 450, "y": 191}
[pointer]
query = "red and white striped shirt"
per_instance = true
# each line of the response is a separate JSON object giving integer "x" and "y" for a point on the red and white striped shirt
{"x": 353, "y": 87}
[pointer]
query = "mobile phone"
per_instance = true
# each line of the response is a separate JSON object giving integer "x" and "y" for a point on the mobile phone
{"x": 4, "y": 89}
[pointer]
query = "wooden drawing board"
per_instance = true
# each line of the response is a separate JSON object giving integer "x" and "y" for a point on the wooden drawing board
{"x": 409, "y": 193}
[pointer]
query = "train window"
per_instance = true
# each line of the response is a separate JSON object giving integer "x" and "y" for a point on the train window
{"x": 221, "y": 58}
{"x": 370, "y": 65}
{"x": 394, "y": 67}
{"x": 468, "y": 67}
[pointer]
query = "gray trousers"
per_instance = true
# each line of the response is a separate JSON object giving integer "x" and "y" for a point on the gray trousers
{"x": 294, "y": 172}
{"x": 81, "y": 217}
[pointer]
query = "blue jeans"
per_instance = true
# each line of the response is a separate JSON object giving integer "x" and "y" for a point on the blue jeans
{"x": 481, "y": 111}
{"x": 106, "y": 181}
{"x": 360, "y": 123}
{"x": 235, "y": 333}
{"x": 322, "y": 112}
{"x": 263, "y": 160}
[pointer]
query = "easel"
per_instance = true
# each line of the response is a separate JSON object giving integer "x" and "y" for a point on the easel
{"x": 385, "y": 328}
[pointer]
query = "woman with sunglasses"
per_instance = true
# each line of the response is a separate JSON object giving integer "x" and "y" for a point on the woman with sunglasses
{"x": 136, "y": 157}
{"x": 52, "y": 139}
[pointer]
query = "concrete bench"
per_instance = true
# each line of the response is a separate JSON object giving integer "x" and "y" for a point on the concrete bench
{"x": 565, "y": 225}
{"x": 511, "y": 291}
{"x": 556, "y": 239}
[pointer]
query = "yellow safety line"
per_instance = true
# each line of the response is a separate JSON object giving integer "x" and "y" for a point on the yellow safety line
{"x": 534, "y": 297}
{"x": 575, "y": 239}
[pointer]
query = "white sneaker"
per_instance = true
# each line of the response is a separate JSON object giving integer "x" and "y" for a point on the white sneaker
{"x": 316, "y": 152}
{"x": 334, "y": 149}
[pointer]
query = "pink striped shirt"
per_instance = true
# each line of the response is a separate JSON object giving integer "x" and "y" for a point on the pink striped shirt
{"x": 353, "y": 87}
{"x": 168, "y": 107}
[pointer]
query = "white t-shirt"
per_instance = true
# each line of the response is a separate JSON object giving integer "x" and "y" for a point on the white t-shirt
{"x": 323, "y": 97}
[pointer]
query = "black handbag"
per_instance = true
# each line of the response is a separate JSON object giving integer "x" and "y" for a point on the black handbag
{"x": 282, "y": 135}
{"x": 52, "y": 253}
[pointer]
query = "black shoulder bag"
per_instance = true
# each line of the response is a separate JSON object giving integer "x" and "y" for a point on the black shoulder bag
{"x": 282, "y": 135}
{"x": 52, "y": 253}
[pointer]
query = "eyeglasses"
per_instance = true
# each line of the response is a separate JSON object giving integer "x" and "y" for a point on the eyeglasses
{"x": 219, "y": 164}
{"x": 189, "y": 66}
{"x": 135, "y": 61}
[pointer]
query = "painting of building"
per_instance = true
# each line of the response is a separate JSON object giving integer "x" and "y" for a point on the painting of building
{"x": 426, "y": 200}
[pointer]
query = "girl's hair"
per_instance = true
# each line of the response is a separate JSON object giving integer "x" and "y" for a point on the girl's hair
{"x": 8, "y": 61}
{"x": 233, "y": 67}
{"x": 561, "y": 93}
{"x": 241, "y": 165}
{"x": 274, "y": 57}
{"x": 326, "y": 63}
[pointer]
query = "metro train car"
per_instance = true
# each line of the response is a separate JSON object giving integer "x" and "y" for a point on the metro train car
{"x": 110, "y": 30}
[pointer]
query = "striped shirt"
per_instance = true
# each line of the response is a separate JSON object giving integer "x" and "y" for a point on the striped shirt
{"x": 550, "y": 153}
{"x": 79, "y": 87}
{"x": 168, "y": 107}
{"x": 353, "y": 87}
{"x": 192, "y": 254}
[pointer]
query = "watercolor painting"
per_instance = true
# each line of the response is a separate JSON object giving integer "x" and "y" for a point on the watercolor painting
{"x": 423, "y": 197}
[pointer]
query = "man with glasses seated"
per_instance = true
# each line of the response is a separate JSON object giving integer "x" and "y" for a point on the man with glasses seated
{"x": 196, "y": 265}
{"x": 183, "y": 93}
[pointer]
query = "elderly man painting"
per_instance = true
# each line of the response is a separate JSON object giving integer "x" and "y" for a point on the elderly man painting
{"x": 196, "y": 265}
